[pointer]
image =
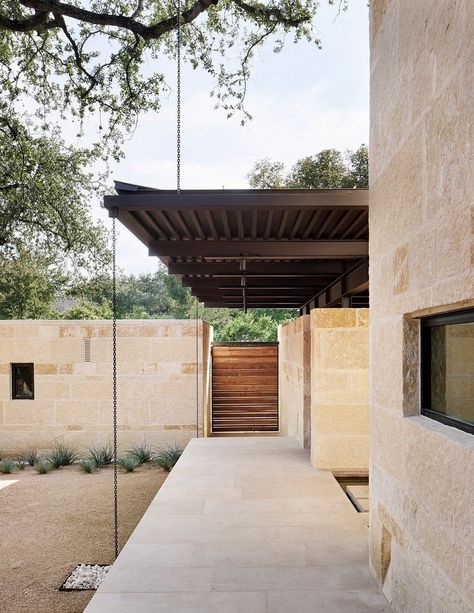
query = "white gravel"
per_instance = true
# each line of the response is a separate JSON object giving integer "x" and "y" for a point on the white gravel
{"x": 86, "y": 577}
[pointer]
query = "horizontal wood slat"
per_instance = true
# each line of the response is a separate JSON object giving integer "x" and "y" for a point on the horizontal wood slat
{"x": 252, "y": 359}
{"x": 245, "y": 388}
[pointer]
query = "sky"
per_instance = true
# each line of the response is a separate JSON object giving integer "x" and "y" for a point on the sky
{"x": 302, "y": 100}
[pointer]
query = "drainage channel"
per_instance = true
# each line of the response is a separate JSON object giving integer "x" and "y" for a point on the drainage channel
{"x": 356, "y": 488}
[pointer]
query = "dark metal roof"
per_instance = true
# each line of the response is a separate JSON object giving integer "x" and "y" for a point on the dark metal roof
{"x": 254, "y": 248}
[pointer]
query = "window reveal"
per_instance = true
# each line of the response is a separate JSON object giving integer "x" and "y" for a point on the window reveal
{"x": 23, "y": 387}
{"x": 447, "y": 369}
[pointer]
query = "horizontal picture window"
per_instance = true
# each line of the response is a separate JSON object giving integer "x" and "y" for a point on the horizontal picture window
{"x": 447, "y": 369}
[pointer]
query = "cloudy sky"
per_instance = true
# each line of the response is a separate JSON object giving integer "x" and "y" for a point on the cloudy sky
{"x": 302, "y": 100}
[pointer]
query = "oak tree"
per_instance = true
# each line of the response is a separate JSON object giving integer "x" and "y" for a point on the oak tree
{"x": 105, "y": 57}
{"x": 45, "y": 194}
{"x": 327, "y": 169}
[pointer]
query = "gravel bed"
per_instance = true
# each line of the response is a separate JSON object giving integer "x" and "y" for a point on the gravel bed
{"x": 86, "y": 577}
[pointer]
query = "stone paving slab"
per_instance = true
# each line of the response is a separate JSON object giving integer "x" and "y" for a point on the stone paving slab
{"x": 244, "y": 525}
{"x": 6, "y": 482}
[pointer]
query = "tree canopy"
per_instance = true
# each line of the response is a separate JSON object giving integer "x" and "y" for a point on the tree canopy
{"x": 48, "y": 238}
{"x": 155, "y": 295}
{"x": 29, "y": 283}
{"x": 45, "y": 194}
{"x": 327, "y": 169}
{"x": 104, "y": 58}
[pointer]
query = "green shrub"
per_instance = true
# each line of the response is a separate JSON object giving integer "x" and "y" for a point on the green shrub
{"x": 102, "y": 455}
{"x": 88, "y": 465}
{"x": 30, "y": 457}
{"x": 167, "y": 457}
{"x": 43, "y": 466}
{"x": 128, "y": 463}
{"x": 20, "y": 463}
{"x": 62, "y": 454}
{"x": 7, "y": 466}
{"x": 142, "y": 452}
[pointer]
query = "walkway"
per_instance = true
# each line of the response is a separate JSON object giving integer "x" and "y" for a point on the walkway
{"x": 244, "y": 525}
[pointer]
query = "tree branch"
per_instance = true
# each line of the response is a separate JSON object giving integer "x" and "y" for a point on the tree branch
{"x": 147, "y": 32}
{"x": 77, "y": 55}
{"x": 261, "y": 11}
{"x": 38, "y": 20}
{"x": 153, "y": 31}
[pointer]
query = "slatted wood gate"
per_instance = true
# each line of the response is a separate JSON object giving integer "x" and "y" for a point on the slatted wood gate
{"x": 245, "y": 387}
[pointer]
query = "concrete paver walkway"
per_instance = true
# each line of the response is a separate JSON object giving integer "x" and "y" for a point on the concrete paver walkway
{"x": 244, "y": 525}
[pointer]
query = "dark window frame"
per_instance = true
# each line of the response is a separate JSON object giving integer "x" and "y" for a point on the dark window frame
{"x": 13, "y": 379}
{"x": 457, "y": 317}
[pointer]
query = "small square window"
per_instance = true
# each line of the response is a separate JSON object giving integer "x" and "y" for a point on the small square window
{"x": 447, "y": 369}
{"x": 23, "y": 382}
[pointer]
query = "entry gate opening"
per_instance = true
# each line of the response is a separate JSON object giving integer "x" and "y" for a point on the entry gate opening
{"x": 244, "y": 387}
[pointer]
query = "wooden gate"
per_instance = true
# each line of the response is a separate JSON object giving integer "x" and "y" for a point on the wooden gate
{"x": 245, "y": 387}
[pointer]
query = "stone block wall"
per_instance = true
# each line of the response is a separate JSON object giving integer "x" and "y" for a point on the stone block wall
{"x": 206, "y": 381}
{"x": 294, "y": 356}
{"x": 157, "y": 367}
{"x": 421, "y": 262}
{"x": 339, "y": 390}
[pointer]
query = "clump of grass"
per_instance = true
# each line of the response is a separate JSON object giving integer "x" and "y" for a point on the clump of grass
{"x": 102, "y": 455}
{"x": 128, "y": 463}
{"x": 63, "y": 454}
{"x": 88, "y": 465}
{"x": 142, "y": 452}
{"x": 30, "y": 457}
{"x": 167, "y": 457}
{"x": 7, "y": 466}
{"x": 43, "y": 466}
{"x": 20, "y": 463}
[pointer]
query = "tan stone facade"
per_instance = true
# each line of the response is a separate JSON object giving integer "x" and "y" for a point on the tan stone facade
{"x": 421, "y": 262}
{"x": 157, "y": 384}
{"x": 324, "y": 387}
{"x": 294, "y": 354}
{"x": 339, "y": 390}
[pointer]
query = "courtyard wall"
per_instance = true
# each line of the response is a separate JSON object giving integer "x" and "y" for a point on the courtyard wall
{"x": 421, "y": 262}
{"x": 294, "y": 356}
{"x": 339, "y": 390}
{"x": 158, "y": 389}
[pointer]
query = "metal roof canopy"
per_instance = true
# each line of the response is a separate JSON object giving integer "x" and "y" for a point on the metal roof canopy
{"x": 255, "y": 248}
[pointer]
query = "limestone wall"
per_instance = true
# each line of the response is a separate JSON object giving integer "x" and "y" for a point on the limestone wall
{"x": 156, "y": 382}
{"x": 421, "y": 261}
{"x": 339, "y": 390}
{"x": 294, "y": 355}
{"x": 206, "y": 359}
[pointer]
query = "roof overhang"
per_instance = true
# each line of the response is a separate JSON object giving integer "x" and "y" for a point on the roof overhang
{"x": 255, "y": 248}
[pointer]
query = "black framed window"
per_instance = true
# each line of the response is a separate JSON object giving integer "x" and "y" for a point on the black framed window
{"x": 23, "y": 382}
{"x": 447, "y": 369}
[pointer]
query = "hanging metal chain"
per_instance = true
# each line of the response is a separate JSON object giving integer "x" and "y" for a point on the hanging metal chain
{"x": 114, "y": 384}
{"x": 178, "y": 101}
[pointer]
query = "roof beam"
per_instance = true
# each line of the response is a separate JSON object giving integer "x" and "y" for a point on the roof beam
{"x": 240, "y": 199}
{"x": 218, "y": 282}
{"x": 267, "y": 292}
{"x": 260, "y": 269}
{"x": 353, "y": 282}
{"x": 279, "y": 249}
{"x": 300, "y": 297}
{"x": 274, "y": 304}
